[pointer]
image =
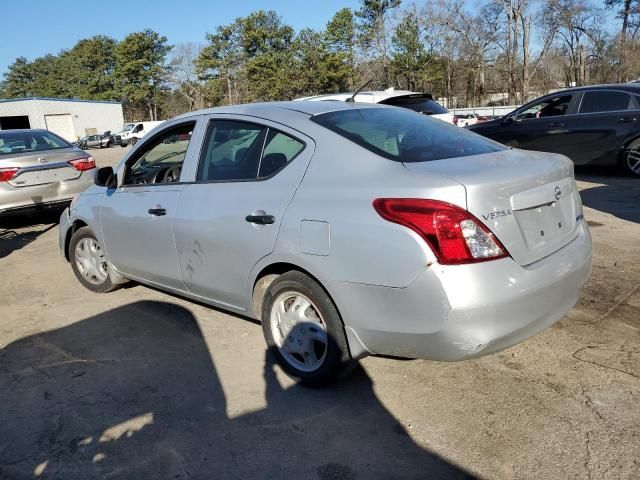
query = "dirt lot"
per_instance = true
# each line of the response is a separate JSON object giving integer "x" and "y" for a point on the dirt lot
{"x": 139, "y": 384}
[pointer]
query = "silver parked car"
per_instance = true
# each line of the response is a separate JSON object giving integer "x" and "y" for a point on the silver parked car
{"x": 38, "y": 169}
{"x": 347, "y": 229}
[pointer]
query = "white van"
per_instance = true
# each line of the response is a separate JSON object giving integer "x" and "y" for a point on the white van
{"x": 132, "y": 132}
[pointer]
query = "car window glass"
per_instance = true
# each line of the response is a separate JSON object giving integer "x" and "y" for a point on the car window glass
{"x": 160, "y": 160}
{"x": 279, "y": 150}
{"x": 405, "y": 136}
{"x": 417, "y": 104}
{"x": 550, "y": 107}
{"x": 593, "y": 102}
{"x": 231, "y": 151}
{"x": 29, "y": 141}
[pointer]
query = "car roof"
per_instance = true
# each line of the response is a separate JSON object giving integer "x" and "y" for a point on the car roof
{"x": 23, "y": 130}
{"x": 271, "y": 109}
{"x": 629, "y": 87}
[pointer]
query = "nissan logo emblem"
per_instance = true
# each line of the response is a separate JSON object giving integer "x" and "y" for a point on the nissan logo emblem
{"x": 557, "y": 192}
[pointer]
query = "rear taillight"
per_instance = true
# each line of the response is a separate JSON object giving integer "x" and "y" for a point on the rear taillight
{"x": 82, "y": 164}
{"x": 7, "y": 174}
{"x": 454, "y": 235}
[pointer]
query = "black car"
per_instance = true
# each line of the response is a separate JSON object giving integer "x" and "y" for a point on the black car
{"x": 596, "y": 125}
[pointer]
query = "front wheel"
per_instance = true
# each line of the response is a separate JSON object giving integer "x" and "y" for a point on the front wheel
{"x": 630, "y": 160}
{"x": 133, "y": 141}
{"x": 304, "y": 331}
{"x": 88, "y": 262}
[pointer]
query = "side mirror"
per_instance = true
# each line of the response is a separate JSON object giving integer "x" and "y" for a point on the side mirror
{"x": 105, "y": 177}
{"x": 508, "y": 120}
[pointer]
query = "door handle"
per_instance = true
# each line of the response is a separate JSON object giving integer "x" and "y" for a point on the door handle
{"x": 627, "y": 119}
{"x": 260, "y": 219}
{"x": 556, "y": 124}
{"x": 158, "y": 212}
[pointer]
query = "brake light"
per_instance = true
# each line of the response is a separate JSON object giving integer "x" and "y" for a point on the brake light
{"x": 454, "y": 235}
{"x": 7, "y": 174}
{"x": 82, "y": 164}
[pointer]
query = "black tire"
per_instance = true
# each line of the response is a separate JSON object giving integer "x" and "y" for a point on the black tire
{"x": 80, "y": 234}
{"x": 133, "y": 141}
{"x": 630, "y": 158}
{"x": 337, "y": 361}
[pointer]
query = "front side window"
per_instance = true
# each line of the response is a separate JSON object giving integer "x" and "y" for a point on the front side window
{"x": 594, "y": 102}
{"x": 29, "y": 141}
{"x": 405, "y": 136}
{"x": 161, "y": 158}
{"x": 236, "y": 151}
{"x": 550, "y": 107}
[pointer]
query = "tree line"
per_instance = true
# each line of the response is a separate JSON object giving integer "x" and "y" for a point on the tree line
{"x": 468, "y": 53}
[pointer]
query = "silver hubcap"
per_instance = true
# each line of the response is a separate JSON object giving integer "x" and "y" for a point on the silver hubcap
{"x": 299, "y": 331}
{"x": 90, "y": 261}
{"x": 633, "y": 160}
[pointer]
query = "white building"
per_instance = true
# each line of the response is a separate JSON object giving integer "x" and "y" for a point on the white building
{"x": 71, "y": 119}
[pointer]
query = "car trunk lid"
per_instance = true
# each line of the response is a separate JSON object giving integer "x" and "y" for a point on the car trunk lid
{"x": 39, "y": 168}
{"x": 529, "y": 200}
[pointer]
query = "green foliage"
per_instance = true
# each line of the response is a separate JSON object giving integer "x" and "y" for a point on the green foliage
{"x": 140, "y": 67}
{"x": 90, "y": 68}
{"x": 411, "y": 64}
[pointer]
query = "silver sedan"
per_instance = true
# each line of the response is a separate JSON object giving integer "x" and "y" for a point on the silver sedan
{"x": 38, "y": 169}
{"x": 346, "y": 229}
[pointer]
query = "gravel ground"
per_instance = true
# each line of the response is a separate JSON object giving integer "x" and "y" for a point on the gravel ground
{"x": 140, "y": 384}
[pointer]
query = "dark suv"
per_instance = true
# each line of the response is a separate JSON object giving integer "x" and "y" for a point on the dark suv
{"x": 596, "y": 125}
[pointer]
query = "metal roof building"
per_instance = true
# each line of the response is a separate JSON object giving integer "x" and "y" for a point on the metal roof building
{"x": 71, "y": 119}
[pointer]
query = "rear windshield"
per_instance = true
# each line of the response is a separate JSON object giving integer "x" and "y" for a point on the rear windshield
{"x": 30, "y": 141}
{"x": 405, "y": 136}
{"x": 417, "y": 104}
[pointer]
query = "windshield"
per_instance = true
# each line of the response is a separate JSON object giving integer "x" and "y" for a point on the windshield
{"x": 29, "y": 141}
{"x": 404, "y": 136}
{"x": 127, "y": 127}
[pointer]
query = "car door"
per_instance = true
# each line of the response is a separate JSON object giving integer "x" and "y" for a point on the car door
{"x": 540, "y": 125}
{"x": 137, "y": 216}
{"x": 229, "y": 218}
{"x": 605, "y": 120}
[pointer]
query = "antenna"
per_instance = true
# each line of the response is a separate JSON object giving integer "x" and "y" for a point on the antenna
{"x": 353, "y": 97}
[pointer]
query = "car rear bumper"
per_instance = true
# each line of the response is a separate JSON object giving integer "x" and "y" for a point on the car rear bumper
{"x": 16, "y": 199}
{"x": 458, "y": 312}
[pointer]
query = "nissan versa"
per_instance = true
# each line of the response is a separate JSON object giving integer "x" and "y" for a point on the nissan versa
{"x": 347, "y": 229}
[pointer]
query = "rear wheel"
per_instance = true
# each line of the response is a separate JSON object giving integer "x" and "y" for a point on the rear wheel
{"x": 88, "y": 262}
{"x": 133, "y": 141}
{"x": 630, "y": 160}
{"x": 304, "y": 331}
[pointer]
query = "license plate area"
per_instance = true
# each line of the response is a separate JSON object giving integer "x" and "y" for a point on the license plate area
{"x": 41, "y": 177}
{"x": 547, "y": 225}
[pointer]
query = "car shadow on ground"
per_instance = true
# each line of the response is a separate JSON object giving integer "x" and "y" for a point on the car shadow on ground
{"x": 616, "y": 194}
{"x": 133, "y": 393}
{"x": 18, "y": 231}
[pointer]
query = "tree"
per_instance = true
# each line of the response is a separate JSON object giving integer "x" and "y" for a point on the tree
{"x": 372, "y": 26}
{"x": 254, "y": 56}
{"x": 140, "y": 68}
{"x": 183, "y": 74}
{"x": 410, "y": 60}
{"x": 91, "y": 66}
{"x": 18, "y": 80}
{"x": 339, "y": 38}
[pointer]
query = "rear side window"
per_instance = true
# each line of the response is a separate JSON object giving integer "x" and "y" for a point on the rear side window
{"x": 30, "y": 141}
{"x": 417, "y": 104}
{"x": 404, "y": 136}
{"x": 235, "y": 151}
{"x": 594, "y": 102}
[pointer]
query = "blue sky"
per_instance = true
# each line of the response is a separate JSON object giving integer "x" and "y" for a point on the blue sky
{"x": 32, "y": 28}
